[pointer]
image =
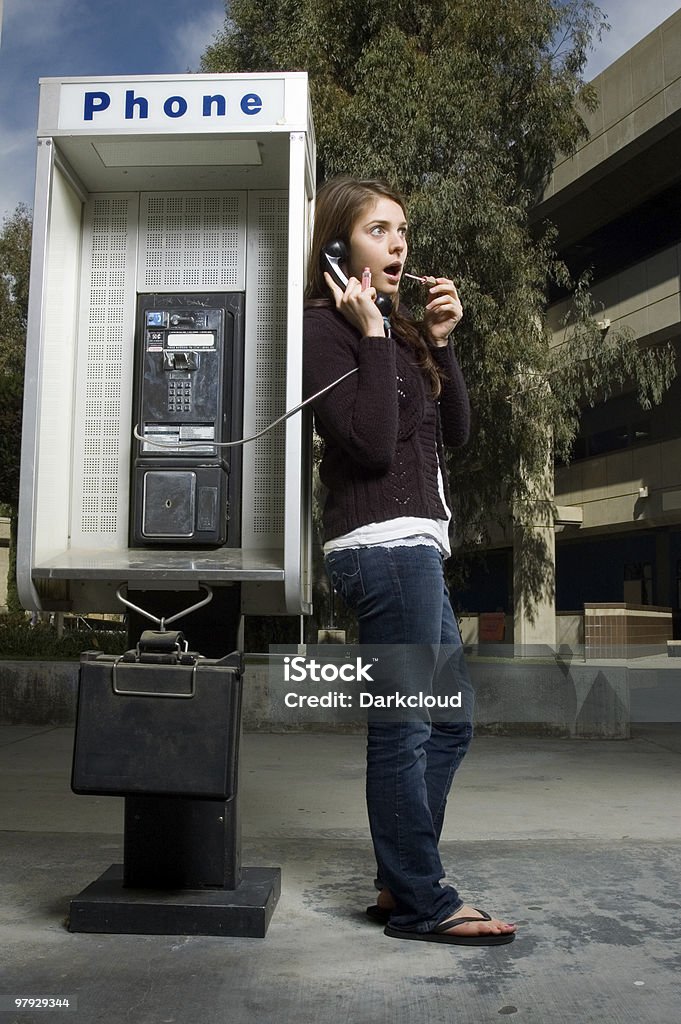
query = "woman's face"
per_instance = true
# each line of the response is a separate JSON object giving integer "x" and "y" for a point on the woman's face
{"x": 379, "y": 241}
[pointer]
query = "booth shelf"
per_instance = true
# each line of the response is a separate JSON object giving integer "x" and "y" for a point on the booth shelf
{"x": 181, "y": 565}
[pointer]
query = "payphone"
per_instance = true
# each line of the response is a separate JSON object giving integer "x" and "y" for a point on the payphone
{"x": 171, "y": 230}
{"x": 185, "y": 488}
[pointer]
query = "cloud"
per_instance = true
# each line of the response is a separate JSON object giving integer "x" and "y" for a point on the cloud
{"x": 190, "y": 38}
{"x": 31, "y": 28}
{"x": 17, "y": 174}
{"x": 32, "y": 23}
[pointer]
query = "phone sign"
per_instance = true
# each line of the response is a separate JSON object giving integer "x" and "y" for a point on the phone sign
{"x": 171, "y": 105}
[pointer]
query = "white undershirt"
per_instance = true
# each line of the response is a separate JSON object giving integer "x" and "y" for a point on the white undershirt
{"x": 404, "y": 531}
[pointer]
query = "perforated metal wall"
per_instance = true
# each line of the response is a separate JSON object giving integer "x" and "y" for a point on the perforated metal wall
{"x": 104, "y": 372}
{"x": 265, "y": 369}
{"x": 192, "y": 241}
{"x": 209, "y": 232}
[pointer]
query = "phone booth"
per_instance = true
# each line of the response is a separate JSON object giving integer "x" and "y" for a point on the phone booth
{"x": 171, "y": 228}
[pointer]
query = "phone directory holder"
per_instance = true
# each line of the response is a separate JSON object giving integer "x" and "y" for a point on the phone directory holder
{"x": 160, "y": 726}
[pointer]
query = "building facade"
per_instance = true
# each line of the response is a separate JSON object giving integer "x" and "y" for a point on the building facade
{"x": 617, "y": 206}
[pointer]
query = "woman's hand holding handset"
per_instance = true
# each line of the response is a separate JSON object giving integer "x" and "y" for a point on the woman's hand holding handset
{"x": 358, "y": 306}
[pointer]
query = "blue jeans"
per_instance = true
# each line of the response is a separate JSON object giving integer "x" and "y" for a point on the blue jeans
{"x": 400, "y": 598}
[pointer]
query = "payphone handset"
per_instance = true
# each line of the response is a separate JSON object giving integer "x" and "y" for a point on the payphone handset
{"x": 188, "y": 403}
{"x": 333, "y": 255}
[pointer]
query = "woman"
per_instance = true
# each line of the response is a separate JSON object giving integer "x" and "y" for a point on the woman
{"x": 386, "y": 521}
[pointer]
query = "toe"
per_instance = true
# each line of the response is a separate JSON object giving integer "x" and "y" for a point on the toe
{"x": 480, "y": 926}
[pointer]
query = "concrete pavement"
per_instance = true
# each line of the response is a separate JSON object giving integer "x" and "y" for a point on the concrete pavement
{"x": 578, "y": 841}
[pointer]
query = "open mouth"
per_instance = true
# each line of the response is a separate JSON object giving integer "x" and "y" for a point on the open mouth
{"x": 393, "y": 271}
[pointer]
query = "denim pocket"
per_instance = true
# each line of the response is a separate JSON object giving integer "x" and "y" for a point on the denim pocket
{"x": 344, "y": 571}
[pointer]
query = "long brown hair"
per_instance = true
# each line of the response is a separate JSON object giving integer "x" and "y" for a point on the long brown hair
{"x": 340, "y": 202}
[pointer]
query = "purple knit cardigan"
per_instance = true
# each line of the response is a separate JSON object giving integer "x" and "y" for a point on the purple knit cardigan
{"x": 381, "y": 427}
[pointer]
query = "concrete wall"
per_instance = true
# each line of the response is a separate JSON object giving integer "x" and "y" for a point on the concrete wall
{"x": 38, "y": 692}
{"x": 569, "y": 629}
{"x": 470, "y": 628}
{"x": 556, "y": 698}
{"x": 637, "y": 94}
{"x": 559, "y": 697}
{"x": 643, "y": 298}
{"x": 608, "y": 487}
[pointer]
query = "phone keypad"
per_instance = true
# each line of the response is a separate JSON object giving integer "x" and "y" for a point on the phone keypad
{"x": 179, "y": 396}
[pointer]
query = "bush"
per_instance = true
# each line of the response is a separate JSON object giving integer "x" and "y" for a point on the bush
{"x": 20, "y": 639}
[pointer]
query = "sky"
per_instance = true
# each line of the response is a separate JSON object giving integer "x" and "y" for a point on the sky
{"x": 51, "y": 38}
{"x": 44, "y": 38}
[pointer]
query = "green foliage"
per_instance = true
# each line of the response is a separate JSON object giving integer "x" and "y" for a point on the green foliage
{"x": 465, "y": 105}
{"x": 15, "y": 259}
{"x": 19, "y": 639}
{"x": 15, "y": 255}
{"x": 424, "y": 92}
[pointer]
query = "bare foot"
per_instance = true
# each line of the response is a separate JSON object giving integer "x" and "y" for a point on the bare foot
{"x": 480, "y": 926}
{"x": 386, "y": 901}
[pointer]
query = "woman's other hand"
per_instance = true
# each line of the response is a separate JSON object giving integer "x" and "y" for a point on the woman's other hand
{"x": 443, "y": 312}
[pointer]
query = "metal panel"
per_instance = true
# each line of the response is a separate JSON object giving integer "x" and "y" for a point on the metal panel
{"x": 192, "y": 241}
{"x": 57, "y": 383}
{"x": 298, "y": 518}
{"x": 26, "y": 540}
{"x": 104, "y": 368}
{"x": 265, "y": 370}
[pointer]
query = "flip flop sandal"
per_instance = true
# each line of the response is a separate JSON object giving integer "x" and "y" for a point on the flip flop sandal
{"x": 440, "y": 934}
{"x": 380, "y": 915}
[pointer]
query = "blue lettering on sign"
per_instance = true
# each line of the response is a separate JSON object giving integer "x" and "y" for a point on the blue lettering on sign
{"x": 132, "y": 101}
{"x": 217, "y": 101}
{"x": 175, "y": 106}
{"x": 95, "y": 101}
{"x": 251, "y": 103}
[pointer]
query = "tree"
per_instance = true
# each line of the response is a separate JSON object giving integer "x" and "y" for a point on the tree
{"x": 465, "y": 104}
{"x": 15, "y": 256}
